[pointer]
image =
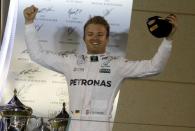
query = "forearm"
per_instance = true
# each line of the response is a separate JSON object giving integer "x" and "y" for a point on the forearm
{"x": 32, "y": 43}
{"x": 28, "y": 22}
{"x": 161, "y": 57}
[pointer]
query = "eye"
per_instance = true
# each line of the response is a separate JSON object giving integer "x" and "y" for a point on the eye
{"x": 101, "y": 34}
{"x": 89, "y": 34}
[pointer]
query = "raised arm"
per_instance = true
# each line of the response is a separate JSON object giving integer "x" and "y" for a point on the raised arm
{"x": 48, "y": 59}
{"x": 154, "y": 66}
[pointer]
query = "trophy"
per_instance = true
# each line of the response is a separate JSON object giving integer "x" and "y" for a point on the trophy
{"x": 15, "y": 115}
{"x": 60, "y": 122}
{"x": 159, "y": 27}
{"x": 42, "y": 127}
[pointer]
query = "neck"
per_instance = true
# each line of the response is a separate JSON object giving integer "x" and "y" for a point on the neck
{"x": 96, "y": 53}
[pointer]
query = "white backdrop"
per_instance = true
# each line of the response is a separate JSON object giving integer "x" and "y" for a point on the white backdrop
{"x": 60, "y": 27}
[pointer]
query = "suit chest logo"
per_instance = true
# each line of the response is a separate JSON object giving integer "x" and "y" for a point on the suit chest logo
{"x": 105, "y": 70}
{"x": 78, "y": 69}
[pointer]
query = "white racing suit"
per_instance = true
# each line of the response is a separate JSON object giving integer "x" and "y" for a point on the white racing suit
{"x": 93, "y": 81}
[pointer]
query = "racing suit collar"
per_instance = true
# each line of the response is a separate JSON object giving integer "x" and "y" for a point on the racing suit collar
{"x": 95, "y": 57}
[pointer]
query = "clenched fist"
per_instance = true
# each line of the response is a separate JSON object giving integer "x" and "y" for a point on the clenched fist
{"x": 29, "y": 14}
{"x": 172, "y": 18}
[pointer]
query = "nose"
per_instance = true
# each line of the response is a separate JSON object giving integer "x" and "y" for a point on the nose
{"x": 95, "y": 36}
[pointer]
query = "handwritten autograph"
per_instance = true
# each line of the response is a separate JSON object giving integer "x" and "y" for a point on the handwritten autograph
{"x": 74, "y": 12}
{"x": 46, "y": 10}
{"x": 38, "y": 27}
{"x": 29, "y": 71}
{"x": 107, "y": 12}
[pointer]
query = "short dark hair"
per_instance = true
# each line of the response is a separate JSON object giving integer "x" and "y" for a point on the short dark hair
{"x": 98, "y": 20}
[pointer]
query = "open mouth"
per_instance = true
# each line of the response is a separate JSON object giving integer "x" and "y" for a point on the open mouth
{"x": 95, "y": 43}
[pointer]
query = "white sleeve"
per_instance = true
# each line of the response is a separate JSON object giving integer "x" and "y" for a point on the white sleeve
{"x": 48, "y": 59}
{"x": 145, "y": 68}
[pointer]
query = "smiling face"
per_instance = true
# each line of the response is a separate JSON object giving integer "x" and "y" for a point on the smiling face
{"x": 96, "y": 35}
{"x": 96, "y": 38}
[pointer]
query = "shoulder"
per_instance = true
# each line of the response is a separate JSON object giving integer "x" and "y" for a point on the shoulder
{"x": 68, "y": 54}
{"x": 112, "y": 59}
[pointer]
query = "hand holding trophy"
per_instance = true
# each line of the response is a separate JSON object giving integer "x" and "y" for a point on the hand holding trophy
{"x": 162, "y": 27}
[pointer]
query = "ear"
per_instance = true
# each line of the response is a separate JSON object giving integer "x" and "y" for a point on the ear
{"x": 84, "y": 38}
{"x": 107, "y": 39}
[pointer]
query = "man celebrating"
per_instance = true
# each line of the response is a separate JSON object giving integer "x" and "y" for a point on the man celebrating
{"x": 94, "y": 77}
